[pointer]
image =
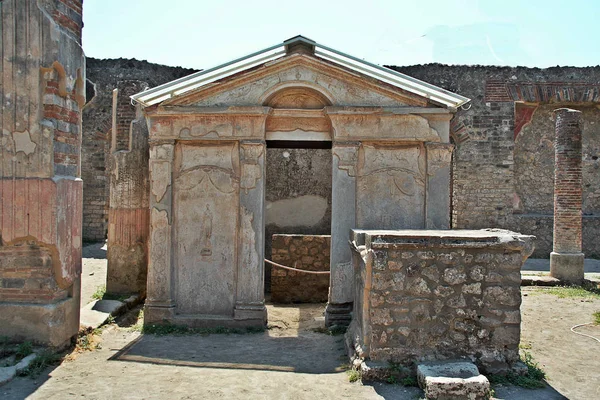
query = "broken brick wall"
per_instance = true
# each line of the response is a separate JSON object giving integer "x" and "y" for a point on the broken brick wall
{"x": 504, "y": 157}
{"x": 103, "y": 77}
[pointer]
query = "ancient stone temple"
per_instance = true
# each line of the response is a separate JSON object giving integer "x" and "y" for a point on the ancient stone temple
{"x": 208, "y": 133}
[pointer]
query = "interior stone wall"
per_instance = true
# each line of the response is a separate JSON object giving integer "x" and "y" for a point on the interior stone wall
{"x": 298, "y": 195}
{"x": 306, "y": 252}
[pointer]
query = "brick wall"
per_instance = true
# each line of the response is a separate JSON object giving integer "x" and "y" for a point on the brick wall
{"x": 26, "y": 274}
{"x": 495, "y": 184}
{"x": 102, "y": 77}
{"x": 503, "y": 162}
{"x": 306, "y": 252}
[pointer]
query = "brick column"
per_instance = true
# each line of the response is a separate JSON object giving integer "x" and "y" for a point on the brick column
{"x": 566, "y": 259}
{"x": 129, "y": 212}
{"x": 43, "y": 93}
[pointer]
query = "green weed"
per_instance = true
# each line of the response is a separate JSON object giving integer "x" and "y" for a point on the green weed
{"x": 596, "y": 318}
{"x": 533, "y": 379}
{"x": 23, "y": 350}
{"x": 565, "y": 292}
{"x": 353, "y": 375}
{"x": 99, "y": 293}
{"x": 42, "y": 361}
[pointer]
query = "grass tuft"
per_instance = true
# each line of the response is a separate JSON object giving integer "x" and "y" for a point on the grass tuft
{"x": 353, "y": 375}
{"x": 596, "y": 318}
{"x": 99, "y": 293}
{"x": 566, "y": 292}
{"x": 43, "y": 360}
{"x": 23, "y": 350}
{"x": 533, "y": 379}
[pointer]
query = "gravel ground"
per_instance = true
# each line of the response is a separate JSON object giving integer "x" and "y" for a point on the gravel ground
{"x": 290, "y": 360}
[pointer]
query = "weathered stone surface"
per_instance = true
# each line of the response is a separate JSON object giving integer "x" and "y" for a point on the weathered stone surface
{"x": 453, "y": 380}
{"x": 40, "y": 189}
{"x": 129, "y": 215}
{"x": 450, "y": 314}
{"x": 566, "y": 259}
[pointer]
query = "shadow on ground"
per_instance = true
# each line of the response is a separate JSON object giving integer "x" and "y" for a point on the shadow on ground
{"x": 311, "y": 353}
{"x": 94, "y": 250}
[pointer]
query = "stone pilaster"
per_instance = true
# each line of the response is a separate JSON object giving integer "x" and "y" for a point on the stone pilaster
{"x": 128, "y": 217}
{"x": 159, "y": 297}
{"x": 566, "y": 259}
{"x": 250, "y": 298}
{"x": 343, "y": 219}
{"x": 437, "y": 208}
{"x": 43, "y": 84}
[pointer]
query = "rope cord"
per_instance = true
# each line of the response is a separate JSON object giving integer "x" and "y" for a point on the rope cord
{"x": 583, "y": 334}
{"x": 296, "y": 269}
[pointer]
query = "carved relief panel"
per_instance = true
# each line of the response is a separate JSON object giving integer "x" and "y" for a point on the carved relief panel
{"x": 391, "y": 187}
{"x": 206, "y": 204}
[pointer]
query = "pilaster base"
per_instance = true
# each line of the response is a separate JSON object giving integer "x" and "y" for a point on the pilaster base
{"x": 156, "y": 314}
{"x": 567, "y": 267}
{"x": 54, "y": 324}
{"x": 338, "y": 314}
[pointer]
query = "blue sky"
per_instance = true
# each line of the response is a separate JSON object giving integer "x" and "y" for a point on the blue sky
{"x": 201, "y": 34}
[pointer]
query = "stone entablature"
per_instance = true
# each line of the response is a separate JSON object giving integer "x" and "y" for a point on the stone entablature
{"x": 438, "y": 295}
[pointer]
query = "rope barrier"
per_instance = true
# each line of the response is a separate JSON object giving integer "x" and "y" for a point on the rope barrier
{"x": 584, "y": 334}
{"x": 296, "y": 269}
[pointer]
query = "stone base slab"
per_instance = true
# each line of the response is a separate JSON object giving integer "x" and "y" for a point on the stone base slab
{"x": 243, "y": 318}
{"x": 338, "y": 314}
{"x": 52, "y": 325}
{"x": 567, "y": 267}
{"x": 452, "y": 380}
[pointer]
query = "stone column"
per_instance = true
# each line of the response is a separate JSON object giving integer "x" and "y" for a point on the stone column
{"x": 43, "y": 83}
{"x": 437, "y": 207}
{"x": 343, "y": 219}
{"x": 159, "y": 297}
{"x": 128, "y": 217}
{"x": 566, "y": 259}
{"x": 250, "y": 298}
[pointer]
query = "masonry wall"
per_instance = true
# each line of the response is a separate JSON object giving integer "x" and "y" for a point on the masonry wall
{"x": 501, "y": 140}
{"x": 438, "y": 296}
{"x": 306, "y": 252}
{"x": 102, "y": 77}
{"x": 503, "y": 160}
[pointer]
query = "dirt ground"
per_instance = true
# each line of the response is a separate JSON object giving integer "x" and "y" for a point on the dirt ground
{"x": 292, "y": 359}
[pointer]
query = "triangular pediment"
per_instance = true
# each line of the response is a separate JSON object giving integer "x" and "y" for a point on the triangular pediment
{"x": 256, "y": 86}
{"x": 302, "y": 65}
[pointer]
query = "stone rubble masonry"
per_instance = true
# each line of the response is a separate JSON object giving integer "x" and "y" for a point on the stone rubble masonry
{"x": 438, "y": 295}
{"x": 40, "y": 187}
{"x": 566, "y": 261}
{"x": 306, "y": 252}
{"x": 103, "y": 76}
{"x": 129, "y": 213}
